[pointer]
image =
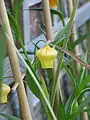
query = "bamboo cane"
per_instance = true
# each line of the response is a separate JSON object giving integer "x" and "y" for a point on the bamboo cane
{"x": 47, "y": 20}
{"x": 24, "y": 107}
{"x": 49, "y": 35}
{"x": 85, "y": 115}
{"x": 74, "y": 37}
{"x": 88, "y": 30}
{"x": 88, "y": 40}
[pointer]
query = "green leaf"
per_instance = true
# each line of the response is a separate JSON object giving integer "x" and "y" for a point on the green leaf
{"x": 84, "y": 90}
{"x": 73, "y": 116}
{"x": 84, "y": 103}
{"x": 84, "y": 84}
{"x": 74, "y": 105}
{"x": 78, "y": 41}
{"x": 69, "y": 103}
{"x": 9, "y": 117}
{"x": 81, "y": 107}
{"x": 62, "y": 35}
{"x": 37, "y": 85}
{"x": 70, "y": 75}
{"x": 32, "y": 85}
{"x": 50, "y": 77}
{"x": 15, "y": 27}
{"x": 44, "y": 87}
{"x": 12, "y": 6}
{"x": 17, "y": 9}
{"x": 2, "y": 50}
{"x": 46, "y": 109}
{"x": 61, "y": 110}
{"x": 60, "y": 15}
{"x": 36, "y": 64}
{"x": 82, "y": 72}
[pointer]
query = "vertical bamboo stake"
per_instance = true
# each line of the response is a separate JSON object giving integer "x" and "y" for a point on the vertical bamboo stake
{"x": 24, "y": 107}
{"x": 88, "y": 40}
{"x": 47, "y": 20}
{"x": 88, "y": 30}
{"x": 85, "y": 115}
{"x": 73, "y": 35}
{"x": 49, "y": 34}
{"x": 73, "y": 32}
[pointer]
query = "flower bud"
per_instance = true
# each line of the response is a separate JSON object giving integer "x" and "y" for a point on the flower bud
{"x": 53, "y": 3}
{"x": 46, "y": 56}
{"x": 5, "y": 89}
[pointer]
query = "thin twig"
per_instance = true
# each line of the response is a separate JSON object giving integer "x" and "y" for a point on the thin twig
{"x": 75, "y": 57}
{"x": 14, "y": 87}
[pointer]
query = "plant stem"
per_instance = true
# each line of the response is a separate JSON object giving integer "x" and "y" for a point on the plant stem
{"x": 60, "y": 5}
{"x": 54, "y": 88}
{"x": 35, "y": 79}
{"x": 87, "y": 30}
{"x": 24, "y": 107}
{"x": 47, "y": 20}
{"x": 49, "y": 34}
{"x": 73, "y": 35}
{"x": 85, "y": 114}
{"x": 88, "y": 40}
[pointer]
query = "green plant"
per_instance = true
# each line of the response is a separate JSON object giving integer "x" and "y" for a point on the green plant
{"x": 39, "y": 86}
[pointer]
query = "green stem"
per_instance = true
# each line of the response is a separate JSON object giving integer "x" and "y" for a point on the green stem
{"x": 59, "y": 66}
{"x": 30, "y": 69}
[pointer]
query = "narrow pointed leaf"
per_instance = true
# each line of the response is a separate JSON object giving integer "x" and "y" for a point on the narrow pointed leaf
{"x": 9, "y": 117}
{"x": 61, "y": 110}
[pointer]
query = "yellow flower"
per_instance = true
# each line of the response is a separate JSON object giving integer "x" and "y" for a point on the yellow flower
{"x": 53, "y": 3}
{"x": 46, "y": 56}
{"x": 5, "y": 89}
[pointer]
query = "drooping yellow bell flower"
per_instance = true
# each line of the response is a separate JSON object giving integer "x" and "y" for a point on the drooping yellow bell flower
{"x": 46, "y": 56}
{"x": 53, "y": 3}
{"x": 5, "y": 89}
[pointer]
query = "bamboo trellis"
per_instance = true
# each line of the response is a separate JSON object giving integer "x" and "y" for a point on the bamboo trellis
{"x": 73, "y": 38}
{"x": 24, "y": 107}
